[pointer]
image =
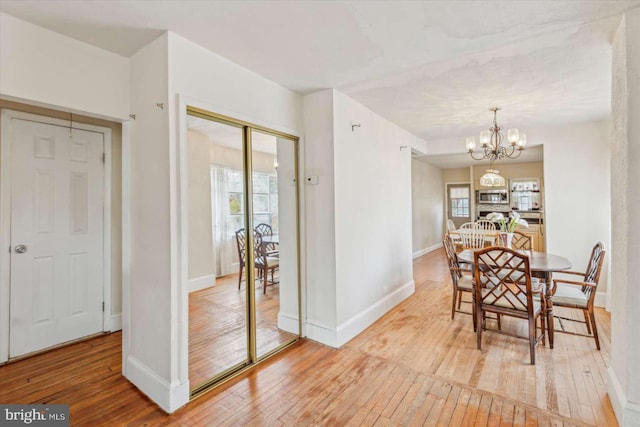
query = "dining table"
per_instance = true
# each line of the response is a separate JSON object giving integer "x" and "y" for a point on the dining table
{"x": 542, "y": 266}
{"x": 269, "y": 240}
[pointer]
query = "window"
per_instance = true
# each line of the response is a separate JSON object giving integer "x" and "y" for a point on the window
{"x": 525, "y": 194}
{"x": 459, "y": 200}
{"x": 265, "y": 198}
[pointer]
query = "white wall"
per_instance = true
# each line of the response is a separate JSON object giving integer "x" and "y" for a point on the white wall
{"x": 427, "y": 205}
{"x": 288, "y": 316}
{"x": 151, "y": 361}
{"x": 320, "y": 248}
{"x": 374, "y": 269}
{"x": 624, "y": 376}
{"x": 231, "y": 89}
{"x": 359, "y": 253}
{"x": 201, "y": 259}
{"x": 58, "y": 71}
{"x": 577, "y": 193}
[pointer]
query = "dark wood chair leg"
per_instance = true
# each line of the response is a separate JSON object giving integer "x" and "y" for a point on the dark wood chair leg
{"x": 453, "y": 303}
{"x": 459, "y": 299}
{"x": 595, "y": 328}
{"x": 240, "y": 277}
{"x": 587, "y": 321}
{"x": 542, "y": 326}
{"x": 532, "y": 340}
{"x": 473, "y": 311}
{"x": 264, "y": 280}
{"x": 479, "y": 315}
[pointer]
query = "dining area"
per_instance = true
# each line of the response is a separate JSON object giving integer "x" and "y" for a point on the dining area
{"x": 495, "y": 273}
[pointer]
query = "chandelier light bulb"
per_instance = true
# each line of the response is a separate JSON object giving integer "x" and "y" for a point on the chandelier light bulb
{"x": 485, "y": 138}
{"x": 513, "y": 136}
{"x": 471, "y": 143}
{"x": 523, "y": 141}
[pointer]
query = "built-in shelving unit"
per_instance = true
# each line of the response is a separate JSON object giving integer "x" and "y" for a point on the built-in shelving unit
{"x": 525, "y": 194}
{"x": 526, "y": 198}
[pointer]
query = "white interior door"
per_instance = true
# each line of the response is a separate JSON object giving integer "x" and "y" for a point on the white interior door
{"x": 57, "y": 242}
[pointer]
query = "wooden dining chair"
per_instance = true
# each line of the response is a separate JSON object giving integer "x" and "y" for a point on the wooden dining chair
{"x": 266, "y": 230}
{"x": 241, "y": 244}
{"x": 451, "y": 228}
{"x": 264, "y": 263}
{"x": 460, "y": 281}
{"x": 580, "y": 294}
{"x": 471, "y": 236}
{"x": 521, "y": 241}
{"x": 502, "y": 280}
{"x": 488, "y": 227}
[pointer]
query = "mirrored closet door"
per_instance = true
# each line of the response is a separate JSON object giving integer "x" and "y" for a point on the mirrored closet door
{"x": 243, "y": 260}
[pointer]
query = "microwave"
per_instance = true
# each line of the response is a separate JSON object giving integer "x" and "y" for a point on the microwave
{"x": 493, "y": 196}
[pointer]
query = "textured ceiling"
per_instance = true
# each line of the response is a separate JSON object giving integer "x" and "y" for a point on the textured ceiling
{"x": 555, "y": 78}
{"x": 432, "y": 67}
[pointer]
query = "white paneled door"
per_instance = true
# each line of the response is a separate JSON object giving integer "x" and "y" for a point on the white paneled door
{"x": 57, "y": 243}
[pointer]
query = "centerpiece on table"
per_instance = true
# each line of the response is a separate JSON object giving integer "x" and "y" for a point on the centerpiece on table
{"x": 507, "y": 225}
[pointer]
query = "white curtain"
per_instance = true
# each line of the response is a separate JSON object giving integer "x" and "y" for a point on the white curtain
{"x": 224, "y": 243}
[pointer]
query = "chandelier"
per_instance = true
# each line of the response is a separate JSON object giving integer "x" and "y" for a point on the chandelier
{"x": 491, "y": 142}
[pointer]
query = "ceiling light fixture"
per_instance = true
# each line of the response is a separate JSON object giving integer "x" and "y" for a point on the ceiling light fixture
{"x": 492, "y": 179}
{"x": 491, "y": 142}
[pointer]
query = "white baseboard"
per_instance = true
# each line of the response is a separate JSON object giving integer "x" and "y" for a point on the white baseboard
{"x": 168, "y": 397}
{"x": 358, "y": 323}
{"x": 627, "y": 413}
{"x": 288, "y": 322}
{"x": 600, "y": 300}
{"x": 321, "y": 333}
{"x": 115, "y": 323}
{"x": 367, "y": 317}
{"x": 202, "y": 282}
{"x": 426, "y": 250}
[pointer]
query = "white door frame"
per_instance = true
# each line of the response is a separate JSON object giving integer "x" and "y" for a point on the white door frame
{"x": 5, "y": 216}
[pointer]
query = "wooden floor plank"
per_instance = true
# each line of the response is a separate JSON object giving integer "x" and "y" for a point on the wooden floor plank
{"x": 414, "y": 366}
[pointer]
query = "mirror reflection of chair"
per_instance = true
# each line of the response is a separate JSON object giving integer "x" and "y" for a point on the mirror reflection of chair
{"x": 580, "y": 294}
{"x": 521, "y": 241}
{"x": 241, "y": 244}
{"x": 263, "y": 262}
{"x": 503, "y": 285}
{"x": 266, "y": 230}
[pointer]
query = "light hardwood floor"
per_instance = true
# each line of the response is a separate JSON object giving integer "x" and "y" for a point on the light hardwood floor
{"x": 218, "y": 327}
{"x": 412, "y": 367}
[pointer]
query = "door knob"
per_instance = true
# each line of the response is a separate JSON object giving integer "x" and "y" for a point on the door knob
{"x": 20, "y": 249}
